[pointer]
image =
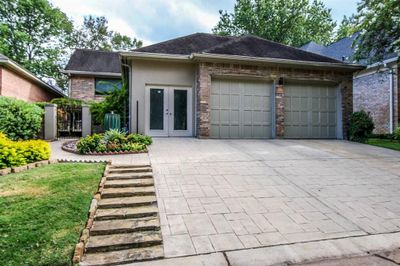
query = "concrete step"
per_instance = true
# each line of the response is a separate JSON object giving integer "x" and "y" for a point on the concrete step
{"x": 129, "y": 176}
{"x": 122, "y": 256}
{"x": 142, "y": 182}
{"x": 126, "y": 202}
{"x": 122, "y": 166}
{"x": 129, "y": 170}
{"x": 124, "y": 226}
{"x": 113, "y": 242}
{"x": 126, "y": 213}
{"x": 127, "y": 192}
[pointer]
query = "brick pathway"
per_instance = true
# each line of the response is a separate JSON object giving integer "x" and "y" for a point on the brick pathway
{"x": 221, "y": 195}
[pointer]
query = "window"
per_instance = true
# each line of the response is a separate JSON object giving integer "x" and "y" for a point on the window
{"x": 103, "y": 86}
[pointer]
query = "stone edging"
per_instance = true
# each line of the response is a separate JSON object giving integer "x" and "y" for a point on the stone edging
{"x": 80, "y": 247}
{"x": 64, "y": 148}
{"x": 17, "y": 169}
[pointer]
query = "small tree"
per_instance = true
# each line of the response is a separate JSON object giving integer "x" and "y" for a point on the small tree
{"x": 361, "y": 126}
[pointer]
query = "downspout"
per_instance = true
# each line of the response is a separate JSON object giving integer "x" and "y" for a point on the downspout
{"x": 391, "y": 100}
{"x": 129, "y": 97}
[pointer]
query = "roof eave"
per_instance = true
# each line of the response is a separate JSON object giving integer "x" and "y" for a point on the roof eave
{"x": 267, "y": 60}
{"x": 91, "y": 73}
{"x": 27, "y": 74}
{"x": 155, "y": 56}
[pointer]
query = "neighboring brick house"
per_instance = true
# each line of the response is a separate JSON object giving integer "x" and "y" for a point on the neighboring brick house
{"x": 17, "y": 82}
{"x": 92, "y": 74}
{"x": 376, "y": 89}
{"x": 213, "y": 86}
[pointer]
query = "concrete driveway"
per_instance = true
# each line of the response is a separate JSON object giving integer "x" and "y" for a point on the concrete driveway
{"x": 224, "y": 195}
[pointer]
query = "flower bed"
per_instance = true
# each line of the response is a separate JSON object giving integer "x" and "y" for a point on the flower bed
{"x": 111, "y": 142}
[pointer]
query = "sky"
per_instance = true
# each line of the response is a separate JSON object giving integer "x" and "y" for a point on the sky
{"x": 153, "y": 21}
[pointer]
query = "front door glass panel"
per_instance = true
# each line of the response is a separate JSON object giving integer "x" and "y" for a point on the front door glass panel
{"x": 156, "y": 109}
{"x": 180, "y": 109}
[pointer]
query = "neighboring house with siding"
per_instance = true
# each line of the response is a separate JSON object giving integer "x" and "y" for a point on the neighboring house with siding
{"x": 376, "y": 89}
{"x": 17, "y": 82}
{"x": 92, "y": 74}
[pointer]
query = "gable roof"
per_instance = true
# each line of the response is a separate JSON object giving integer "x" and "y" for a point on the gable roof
{"x": 249, "y": 46}
{"x": 85, "y": 61}
{"x": 10, "y": 64}
{"x": 341, "y": 50}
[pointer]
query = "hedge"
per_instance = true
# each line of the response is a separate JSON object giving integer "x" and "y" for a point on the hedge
{"x": 17, "y": 153}
{"x": 19, "y": 119}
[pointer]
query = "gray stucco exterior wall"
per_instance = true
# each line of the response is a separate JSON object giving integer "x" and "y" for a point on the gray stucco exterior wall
{"x": 145, "y": 73}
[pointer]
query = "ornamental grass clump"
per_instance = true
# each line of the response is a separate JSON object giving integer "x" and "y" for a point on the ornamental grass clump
{"x": 114, "y": 141}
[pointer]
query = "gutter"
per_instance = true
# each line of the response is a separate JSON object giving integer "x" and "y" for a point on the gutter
{"x": 27, "y": 74}
{"x": 194, "y": 56}
{"x": 265, "y": 60}
{"x": 157, "y": 56}
{"x": 77, "y": 72}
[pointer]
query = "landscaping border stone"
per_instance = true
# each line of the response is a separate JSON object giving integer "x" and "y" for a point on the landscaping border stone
{"x": 80, "y": 247}
{"x": 65, "y": 147}
{"x": 18, "y": 169}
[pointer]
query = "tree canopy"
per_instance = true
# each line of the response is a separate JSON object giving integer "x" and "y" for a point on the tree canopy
{"x": 32, "y": 34}
{"x": 347, "y": 27}
{"x": 40, "y": 37}
{"x": 378, "y": 22}
{"x": 291, "y": 22}
{"x": 95, "y": 34}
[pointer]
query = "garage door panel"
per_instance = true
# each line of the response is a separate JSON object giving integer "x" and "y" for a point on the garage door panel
{"x": 249, "y": 108}
{"x": 310, "y": 111}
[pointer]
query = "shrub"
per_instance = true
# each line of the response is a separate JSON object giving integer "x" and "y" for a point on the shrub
{"x": 113, "y": 141}
{"x": 19, "y": 119}
{"x": 361, "y": 126}
{"x": 397, "y": 133}
{"x": 17, "y": 153}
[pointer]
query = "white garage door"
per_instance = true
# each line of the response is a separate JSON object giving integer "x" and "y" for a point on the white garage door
{"x": 240, "y": 109}
{"x": 310, "y": 111}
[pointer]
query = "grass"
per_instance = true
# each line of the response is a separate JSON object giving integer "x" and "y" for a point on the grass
{"x": 43, "y": 210}
{"x": 385, "y": 143}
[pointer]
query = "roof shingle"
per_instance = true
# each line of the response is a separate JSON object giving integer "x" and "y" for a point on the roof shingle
{"x": 94, "y": 61}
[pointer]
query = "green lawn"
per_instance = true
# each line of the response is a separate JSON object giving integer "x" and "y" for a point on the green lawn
{"x": 43, "y": 210}
{"x": 385, "y": 143}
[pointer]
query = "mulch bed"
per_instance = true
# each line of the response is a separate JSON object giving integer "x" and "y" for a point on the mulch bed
{"x": 70, "y": 146}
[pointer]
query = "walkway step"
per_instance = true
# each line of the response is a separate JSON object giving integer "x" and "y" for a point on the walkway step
{"x": 129, "y": 170}
{"x": 127, "y": 192}
{"x": 125, "y": 213}
{"x": 123, "y": 241}
{"x": 122, "y": 256}
{"x": 121, "y": 166}
{"x": 129, "y": 176}
{"x": 143, "y": 182}
{"x": 126, "y": 202}
{"x": 124, "y": 226}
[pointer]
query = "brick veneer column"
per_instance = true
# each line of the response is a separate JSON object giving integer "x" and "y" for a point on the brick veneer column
{"x": 346, "y": 88}
{"x": 203, "y": 101}
{"x": 280, "y": 111}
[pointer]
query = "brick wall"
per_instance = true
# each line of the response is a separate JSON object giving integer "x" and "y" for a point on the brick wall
{"x": 14, "y": 85}
{"x": 83, "y": 88}
{"x": 372, "y": 94}
{"x": 207, "y": 70}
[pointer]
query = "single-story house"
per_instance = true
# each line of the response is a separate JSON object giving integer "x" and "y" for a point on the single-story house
{"x": 376, "y": 89}
{"x": 213, "y": 86}
{"x": 17, "y": 82}
{"x": 92, "y": 74}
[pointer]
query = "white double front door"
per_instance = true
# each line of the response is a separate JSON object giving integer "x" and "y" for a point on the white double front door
{"x": 168, "y": 111}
